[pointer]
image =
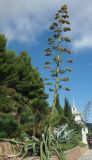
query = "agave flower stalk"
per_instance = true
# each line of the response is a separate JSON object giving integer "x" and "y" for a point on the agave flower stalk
{"x": 57, "y": 49}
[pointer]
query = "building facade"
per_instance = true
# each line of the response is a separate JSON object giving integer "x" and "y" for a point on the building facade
{"x": 78, "y": 119}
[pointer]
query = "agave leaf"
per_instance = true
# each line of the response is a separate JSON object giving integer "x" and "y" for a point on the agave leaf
{"x": 42, "y": 155}
{"x": 34, "y": 149}
{"x": 58, "y": 148}
{"x": 35, "y": 139}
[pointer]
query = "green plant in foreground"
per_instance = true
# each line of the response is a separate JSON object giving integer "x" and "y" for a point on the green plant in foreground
{"x": 45, "y": 147}
{"x": 50, "y": 146}
{"x": 63, "y": 134}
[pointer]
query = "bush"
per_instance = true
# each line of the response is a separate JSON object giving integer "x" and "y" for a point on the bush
{"x": 3, "y": 135}
{"x": 67, "y": 146}
{"x": 9, "y": 125}
{"x": 75, "y": 141}
{"x": 81, "y": 144}
{"x": 5, "y": 103}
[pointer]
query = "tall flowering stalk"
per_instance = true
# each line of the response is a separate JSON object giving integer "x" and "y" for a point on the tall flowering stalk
{"x": 57, "y": 49}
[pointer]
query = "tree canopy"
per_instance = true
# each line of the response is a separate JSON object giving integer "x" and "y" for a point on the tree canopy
{"x": 21, "y": 87}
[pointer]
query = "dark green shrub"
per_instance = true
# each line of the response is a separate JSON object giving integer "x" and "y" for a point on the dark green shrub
{"x": 3, "y": 135}
{"x": 5, "y": 103}
{"x": 67, "y": 146}
{"x": 75, "y": 141}
{"x": 8, "y": 124}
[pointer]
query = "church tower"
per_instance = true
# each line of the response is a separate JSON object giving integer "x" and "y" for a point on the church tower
{"x": 78, "y": 120}
{"x": 76, "y": 114}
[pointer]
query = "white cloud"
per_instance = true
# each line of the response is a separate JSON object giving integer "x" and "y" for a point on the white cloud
{"x": 85, "y": 42}
{"x": 25, "y": 20}
{"x": 81, "y": 22}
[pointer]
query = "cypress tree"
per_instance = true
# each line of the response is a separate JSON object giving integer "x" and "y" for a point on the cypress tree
{"x": 67, "y": 109}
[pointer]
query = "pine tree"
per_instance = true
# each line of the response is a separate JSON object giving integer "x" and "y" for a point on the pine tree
{"x": 20, "y": 85}
{"x": 18, "y": 73}
{"x": 57, "y": 104}
{"x": 57, "y": 49}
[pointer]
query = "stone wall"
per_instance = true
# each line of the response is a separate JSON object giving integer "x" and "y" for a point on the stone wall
{"x": 8, "y": 148}
{"x": 73, "y": 154}
{"x": 7, "y": 151}
{"x": 4, "y": 157}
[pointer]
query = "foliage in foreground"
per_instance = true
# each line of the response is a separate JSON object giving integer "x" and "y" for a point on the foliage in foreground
{"x": 45, "y": 147}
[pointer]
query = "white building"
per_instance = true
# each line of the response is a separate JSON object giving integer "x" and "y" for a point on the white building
{"x": 77, "y": 115}
{"x": 84, "y": 135}
{"x": 78, "y": 120}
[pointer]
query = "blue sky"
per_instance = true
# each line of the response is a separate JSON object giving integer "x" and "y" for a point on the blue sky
{"x": 26, "y": 23}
